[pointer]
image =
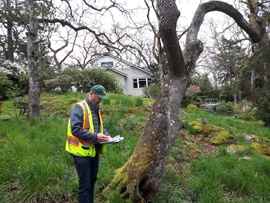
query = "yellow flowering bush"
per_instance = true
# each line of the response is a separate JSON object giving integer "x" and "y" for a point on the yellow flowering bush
{"x": 192, "y": 106}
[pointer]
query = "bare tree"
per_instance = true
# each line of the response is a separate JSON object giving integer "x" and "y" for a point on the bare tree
{"x": 68, "y": 20}
{"x": 56, "y": 51}
{"x": 139, "y": 179}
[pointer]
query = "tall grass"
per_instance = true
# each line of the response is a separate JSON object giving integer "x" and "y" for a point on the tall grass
{"x": 30, "y": 155}
{"x": 215, "y": 174}
{"x": 35, "y": 167}
{"x": 34, "y": 161}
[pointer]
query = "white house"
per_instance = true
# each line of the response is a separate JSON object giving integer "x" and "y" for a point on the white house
{"x": 133, "y": 78}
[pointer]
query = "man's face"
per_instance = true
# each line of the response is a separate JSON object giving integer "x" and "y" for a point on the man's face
{"x": 94, "y": 98}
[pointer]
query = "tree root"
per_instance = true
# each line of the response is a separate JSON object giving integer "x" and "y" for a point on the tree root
{"x": 129, "y": 187}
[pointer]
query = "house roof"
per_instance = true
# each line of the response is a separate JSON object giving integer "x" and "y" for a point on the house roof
{"x": 144, "y": 69}
{"x": 116, "y": 71}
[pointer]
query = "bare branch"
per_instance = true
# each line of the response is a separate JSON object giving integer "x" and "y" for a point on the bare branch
{"x": 225, "y": 8}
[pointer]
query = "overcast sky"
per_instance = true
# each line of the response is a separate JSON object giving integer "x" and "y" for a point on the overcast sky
{"x": 186, "y": 7}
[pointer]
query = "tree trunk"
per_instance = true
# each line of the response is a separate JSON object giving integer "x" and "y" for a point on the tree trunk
{"x": 32, "y": 47}
{"x": 160, "y": 63}
{"x": 252, "y": 79}
{"x": 10, "y": 48}
{"x": 139, "y": 179}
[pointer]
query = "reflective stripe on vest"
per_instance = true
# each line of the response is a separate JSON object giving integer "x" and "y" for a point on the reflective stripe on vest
{"x": 73, "y": 143}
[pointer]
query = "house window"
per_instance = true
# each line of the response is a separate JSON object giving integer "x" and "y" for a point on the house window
{"x": 141, "y": 82}
{"x": 106, "y": 64}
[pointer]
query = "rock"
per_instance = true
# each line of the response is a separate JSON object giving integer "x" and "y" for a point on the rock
{"x": 248, "y": 138}
{"x": 203, "y": 121}
{"x": 181, "y": 113}
{"x": 5, "y": 119}
{"x": 245, "y": 157}
{"x": 234, "y": 148}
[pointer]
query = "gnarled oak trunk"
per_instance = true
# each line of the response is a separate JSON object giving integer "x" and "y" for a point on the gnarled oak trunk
{"x": 139, "y": 179}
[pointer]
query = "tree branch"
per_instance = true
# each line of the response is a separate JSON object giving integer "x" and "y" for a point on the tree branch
{"x": 225, "y": 8}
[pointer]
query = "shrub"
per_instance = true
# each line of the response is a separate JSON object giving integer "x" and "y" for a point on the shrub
{"x": 192, "y": 106}
{"x": 191, "y": 128}
{"x": 221, "y": 108}
{"x": 5, "y": 85}
{"x": 62, "y": 81}
{"x": 226, "y": 92}
{"x": 229, "y": 106}
{"x": 208, "y": 94}
{"x": 185, "y": 101}
{"x": 245, "y": 110}
{"x": 14, "y": 79}
{"x": 96, "y": 76}
{"x": 151, "y": 91}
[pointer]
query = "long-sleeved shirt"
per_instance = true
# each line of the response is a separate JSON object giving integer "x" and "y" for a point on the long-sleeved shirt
{"x": 76, "y": 122}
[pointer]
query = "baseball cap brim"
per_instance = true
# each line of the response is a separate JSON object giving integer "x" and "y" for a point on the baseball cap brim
{"x": 102, "y": 96}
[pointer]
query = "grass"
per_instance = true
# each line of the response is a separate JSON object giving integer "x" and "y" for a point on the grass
{"x": 215, "y": 173}
{"x": 35, "y": 167}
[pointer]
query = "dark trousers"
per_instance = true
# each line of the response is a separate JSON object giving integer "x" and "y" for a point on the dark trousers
{"x": 87, "y": 169}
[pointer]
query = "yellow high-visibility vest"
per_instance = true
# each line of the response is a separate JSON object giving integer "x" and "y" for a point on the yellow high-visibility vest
{"x": 80, "y": 147}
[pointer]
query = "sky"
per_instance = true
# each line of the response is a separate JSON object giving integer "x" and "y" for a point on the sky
{"x": 186, "y": 7}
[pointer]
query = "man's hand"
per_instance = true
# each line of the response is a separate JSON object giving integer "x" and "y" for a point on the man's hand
{"x": 103, "y": 138}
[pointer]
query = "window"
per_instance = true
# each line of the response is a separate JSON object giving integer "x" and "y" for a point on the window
{"x": 106, "y": 64}
{"x": 141, "y": 82}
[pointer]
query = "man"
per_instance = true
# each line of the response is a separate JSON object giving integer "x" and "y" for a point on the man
{"x": 85, "y": 130}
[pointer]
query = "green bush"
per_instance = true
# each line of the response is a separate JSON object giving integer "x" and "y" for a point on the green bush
{"x": 62, "y": 81}
{"x": 221, "y": 108}
{"x": 151, "y": 91}
{"x": 225, "y": 107}
{"x": 85, "y": 79}
{"x": 209, "y": 94}
{"x": 245, "y": 111}
{"x": 5, "y": 86}
{"x": 185, "y": 101}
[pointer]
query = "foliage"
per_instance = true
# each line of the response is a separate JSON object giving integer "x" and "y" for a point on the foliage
{"x": 45, "y": 74}
{"x": 62, "y": 81}
{"x": 245, "y": 110}
{"x": 85, "y": 79}
{"x": 5, "y": 86}
{"x": 192, "y": 89}
{"x": 202, "y": 81}
{"x": 151, "y": 91}
{"x": 209, "y": 94}
{"x": 192, "y": 128}
{"x": 226, "y": 92}
{"x": 138, "y": 101}
{"x": 192, "y": 106}
{"x": 225, "y": 107}
{"x": 185, "y": 101}
{"x": 15, "y": 81}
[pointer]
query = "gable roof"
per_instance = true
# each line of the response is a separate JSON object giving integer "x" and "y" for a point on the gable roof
{"x": 144, "y": 69}
{"x": 116, "y": 71}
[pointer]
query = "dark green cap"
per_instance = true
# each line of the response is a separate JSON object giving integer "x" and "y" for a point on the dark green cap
{"x": 99, "y": 90}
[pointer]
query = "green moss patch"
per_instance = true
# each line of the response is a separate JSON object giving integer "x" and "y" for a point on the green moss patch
{"x": 262, "y": 148}
{"x": 222, "y": 137}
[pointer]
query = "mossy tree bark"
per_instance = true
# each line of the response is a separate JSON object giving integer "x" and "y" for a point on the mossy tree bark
{"x": 140, "y": 178}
